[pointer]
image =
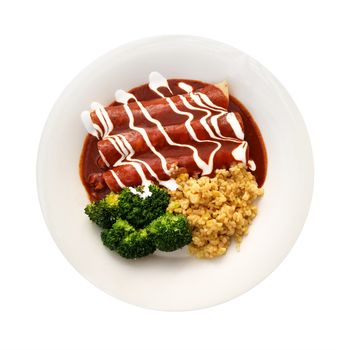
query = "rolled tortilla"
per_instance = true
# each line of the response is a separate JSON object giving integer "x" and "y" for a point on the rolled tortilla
{"x": 224, "y": 87}
{"x": 115, "y": 119}
{"x": 111, "y": 151}
{"x": 129, "y": 174}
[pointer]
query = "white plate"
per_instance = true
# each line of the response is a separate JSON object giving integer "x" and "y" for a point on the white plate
{"x": 179, "y": 282}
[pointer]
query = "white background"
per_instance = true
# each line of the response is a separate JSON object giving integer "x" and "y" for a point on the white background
{"x": 304, "y": 304}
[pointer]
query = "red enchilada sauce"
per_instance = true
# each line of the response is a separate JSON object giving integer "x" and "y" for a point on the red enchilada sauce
{"x": 92, "y": 167}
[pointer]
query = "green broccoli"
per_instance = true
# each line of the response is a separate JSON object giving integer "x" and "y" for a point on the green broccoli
{"x": 103, "y": 212}
{"x": 112, "y": 237}
{"x": 138, "y": 211}
{"x": 136, "y": 245}
{"x": 170, "y": 232}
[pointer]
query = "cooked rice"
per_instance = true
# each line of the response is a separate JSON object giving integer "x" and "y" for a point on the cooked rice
{"x": 217, "y": 208}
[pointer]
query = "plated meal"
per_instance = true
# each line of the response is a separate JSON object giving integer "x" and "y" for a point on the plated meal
{"x": 171, "y": 163}
{"x": 174, "y": 174}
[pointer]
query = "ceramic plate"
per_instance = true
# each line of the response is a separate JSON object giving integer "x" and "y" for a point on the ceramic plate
{"x": 177, "y": 281}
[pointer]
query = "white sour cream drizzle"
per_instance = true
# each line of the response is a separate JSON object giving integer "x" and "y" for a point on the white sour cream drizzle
{"x": 129, "y": 158}
{"x": 103, "y": 158}
{"x": 207, "y": 168}
{"x": 239, "y": 153}
{"x": 236, "y": 127}
{"x": 126, "y": 151}
{"x": 251, "y": 165}
{"x": 144, "y": 194}
{"x": 240, "y": 150}
{"x": 230, "y": 117}
{"x": 123, "y": 97}
{"x": 204, "y": 166}
{"x": 92, "y": 128}
{"x": 156, "y": 81}
{"x": 103, "y": 116}
{"x": 183, "y": 86}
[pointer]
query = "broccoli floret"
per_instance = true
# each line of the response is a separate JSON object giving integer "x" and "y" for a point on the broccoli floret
{"x": 112, "y": 237}
{"x": 104, "y": 212}
{"x": 170, "y": 232}
{"x": 136, "y": 245}
{"x": 138, "y": 211}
